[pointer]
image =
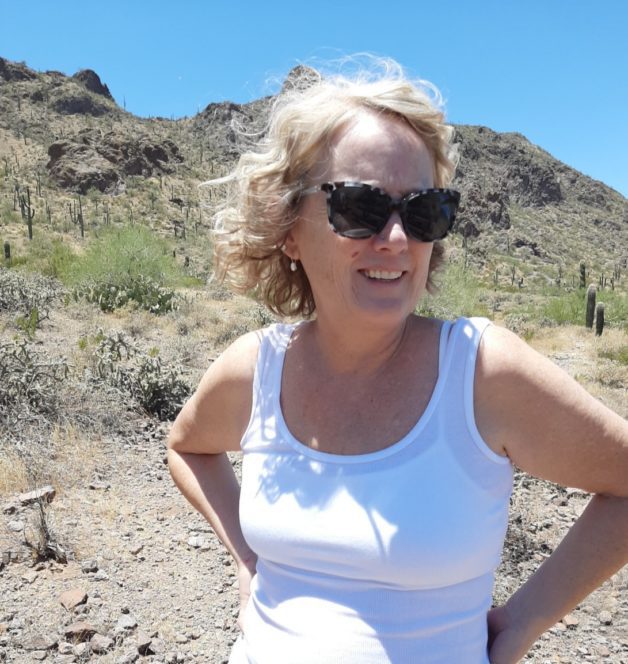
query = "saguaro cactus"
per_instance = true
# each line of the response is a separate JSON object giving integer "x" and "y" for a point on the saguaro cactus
{"x": 599, "y": 319}
{"x": 7, "y": 252}
{"x": 27, "y": 211}
{"x": 583, "y": 274}
{"x": 590, "y": 306}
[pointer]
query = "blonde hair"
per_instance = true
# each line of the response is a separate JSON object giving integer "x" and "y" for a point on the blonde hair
{"x": 262, "y": 203}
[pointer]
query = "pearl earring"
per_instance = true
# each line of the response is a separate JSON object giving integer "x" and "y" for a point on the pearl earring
{"x": 293, "y": 266}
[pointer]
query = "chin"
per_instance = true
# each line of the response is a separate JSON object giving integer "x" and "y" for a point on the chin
{"x": 386, "y": 312}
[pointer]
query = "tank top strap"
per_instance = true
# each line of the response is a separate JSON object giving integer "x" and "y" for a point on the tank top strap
{"x": 267, "y": 377}
{"x": 460, "y": 357}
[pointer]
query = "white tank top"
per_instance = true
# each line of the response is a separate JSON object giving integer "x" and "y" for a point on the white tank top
{"x": 381, "y": 557}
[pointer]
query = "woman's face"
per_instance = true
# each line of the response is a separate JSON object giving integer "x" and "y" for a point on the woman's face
{"x": 380, "y": 278}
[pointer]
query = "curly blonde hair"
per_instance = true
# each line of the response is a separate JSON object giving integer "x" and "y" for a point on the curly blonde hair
{"x": 263, "y": 200}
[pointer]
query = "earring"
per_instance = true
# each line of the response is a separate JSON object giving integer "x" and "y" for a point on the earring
{"x": 293, "y": 266}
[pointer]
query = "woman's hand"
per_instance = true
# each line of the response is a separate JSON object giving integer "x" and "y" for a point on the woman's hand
{"x": 246, "y": 572}
{"x": 506, "y": 642}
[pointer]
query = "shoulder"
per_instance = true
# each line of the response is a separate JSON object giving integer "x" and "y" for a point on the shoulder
{"x": 214, "y": 418}
{"x": 546, "y": 422}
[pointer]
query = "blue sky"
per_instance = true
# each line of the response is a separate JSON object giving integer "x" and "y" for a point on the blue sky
{"x": 554, "y": 70}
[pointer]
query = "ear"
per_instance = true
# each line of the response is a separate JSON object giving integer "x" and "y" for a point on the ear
{"x": 290, "y": 245}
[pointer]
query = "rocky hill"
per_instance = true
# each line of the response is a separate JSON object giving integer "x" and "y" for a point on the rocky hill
{"x": 65, "y": 135}
{"x": 118, "y": 568}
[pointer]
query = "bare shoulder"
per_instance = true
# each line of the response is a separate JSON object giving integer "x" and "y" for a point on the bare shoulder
{"x": 215, "y": 417}
{"x": 549, "y": 425}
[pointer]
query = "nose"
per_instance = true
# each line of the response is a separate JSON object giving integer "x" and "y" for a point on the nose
{"x": 393, "y": 236}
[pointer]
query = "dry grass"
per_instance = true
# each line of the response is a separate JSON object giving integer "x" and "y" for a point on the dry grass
{"x": 14, "y": 476}
{"x": 590, "y": 360}
{"x": 68, "y": 461}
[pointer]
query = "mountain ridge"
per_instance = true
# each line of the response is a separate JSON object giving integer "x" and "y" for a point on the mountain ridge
{"x": 517, "y": 199}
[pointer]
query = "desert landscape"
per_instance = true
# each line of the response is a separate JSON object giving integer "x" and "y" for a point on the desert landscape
{"x": 109, "y": 316}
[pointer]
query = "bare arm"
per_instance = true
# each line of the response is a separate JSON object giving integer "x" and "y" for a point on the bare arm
{"x": 550, "y": 427}
{"x": 211, "y": 423}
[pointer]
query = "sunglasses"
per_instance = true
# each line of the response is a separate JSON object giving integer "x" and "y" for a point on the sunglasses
{"x": 359, "y": 211}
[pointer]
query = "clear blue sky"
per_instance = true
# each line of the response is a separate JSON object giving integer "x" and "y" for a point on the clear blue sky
{"x": 554, "y": 70}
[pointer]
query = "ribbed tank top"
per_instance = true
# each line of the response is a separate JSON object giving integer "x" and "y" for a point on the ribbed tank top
{"x": 381, "y": 557}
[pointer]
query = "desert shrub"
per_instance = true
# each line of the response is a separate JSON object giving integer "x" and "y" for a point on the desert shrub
{"x": 21, "y": 293}
{"x": 49, "y": 257}
{"x": 566, "y": 308}
{"x": 157, "y": 389}
{"x": 521, "y": 325}
{"x": 619, "y": 355}
{"x": 459, "y": 294}
{"x": 615, "y": 308}
{"x": 27, "y": 378}
{"x": 120, "y": 290}
{"x": 255, "y": 317}
{"x": 126, "y": 265}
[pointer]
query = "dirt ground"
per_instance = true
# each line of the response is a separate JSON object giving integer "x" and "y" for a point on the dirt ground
{"x": 154, "y": 584}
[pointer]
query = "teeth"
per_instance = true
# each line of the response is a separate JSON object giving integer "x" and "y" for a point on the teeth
{"x": 382, "y": 274}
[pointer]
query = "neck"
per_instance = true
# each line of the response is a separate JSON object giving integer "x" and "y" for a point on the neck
{"x": 365, "y": 351}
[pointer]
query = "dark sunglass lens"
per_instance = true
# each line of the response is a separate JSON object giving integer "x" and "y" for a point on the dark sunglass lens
{"x": 430, "y": 216}
{"x": 357, "y": 211}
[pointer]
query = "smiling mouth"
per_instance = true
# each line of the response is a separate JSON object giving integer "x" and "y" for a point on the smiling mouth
{"x": 382, "y": 275}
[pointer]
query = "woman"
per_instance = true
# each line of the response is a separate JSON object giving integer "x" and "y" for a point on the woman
{"x": 378, "y": 444}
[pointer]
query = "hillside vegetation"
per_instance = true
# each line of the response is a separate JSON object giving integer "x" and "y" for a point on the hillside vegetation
{"x": 109, "y": 316}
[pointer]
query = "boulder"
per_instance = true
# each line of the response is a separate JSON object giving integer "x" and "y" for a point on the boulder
{"x": 15, "y": 71}
{"x": 92, "y": 82}
{"x": 92, "y": 160}
{"x": 69, "y": 102}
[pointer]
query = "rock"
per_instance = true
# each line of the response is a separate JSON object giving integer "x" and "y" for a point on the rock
{"x": 38, "y": 654}
{"x": 44, "y": 493}
{"x": 65, "y": 648}
{"x": 143, "y": 643}
{"x": 158, "y": 647}
{"x": 93, "y": 160}
{"x": 78, "y": 102}
{"x": 128, "y": 657}
{"x": 181, "y": 638}
{"x": 81, "y": 650}
{"x": 570, "y": 621}
{"x": 125, "y": 623}
{"x": 29, "y": 576}
{"x": 39, "y": 642}
{"x": 100, "y": 643}
{"x": 92, "y": 82}
{"x": 196, "y": 541}
{"x": 15, "y": 71}
{"x": 136, "y": 548}
{"x": 72, "y": 598}
{"x": 99, "y": 485}
{"x": 605, "y": 617}
{"x": 80, "y": 168}
{"x": 16, "y": 526}
{"x": 9, "y": 508}
{"x": 100, "y": 575}
{"x": 79, "y": 631}
{"x": 89, "y": 566}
